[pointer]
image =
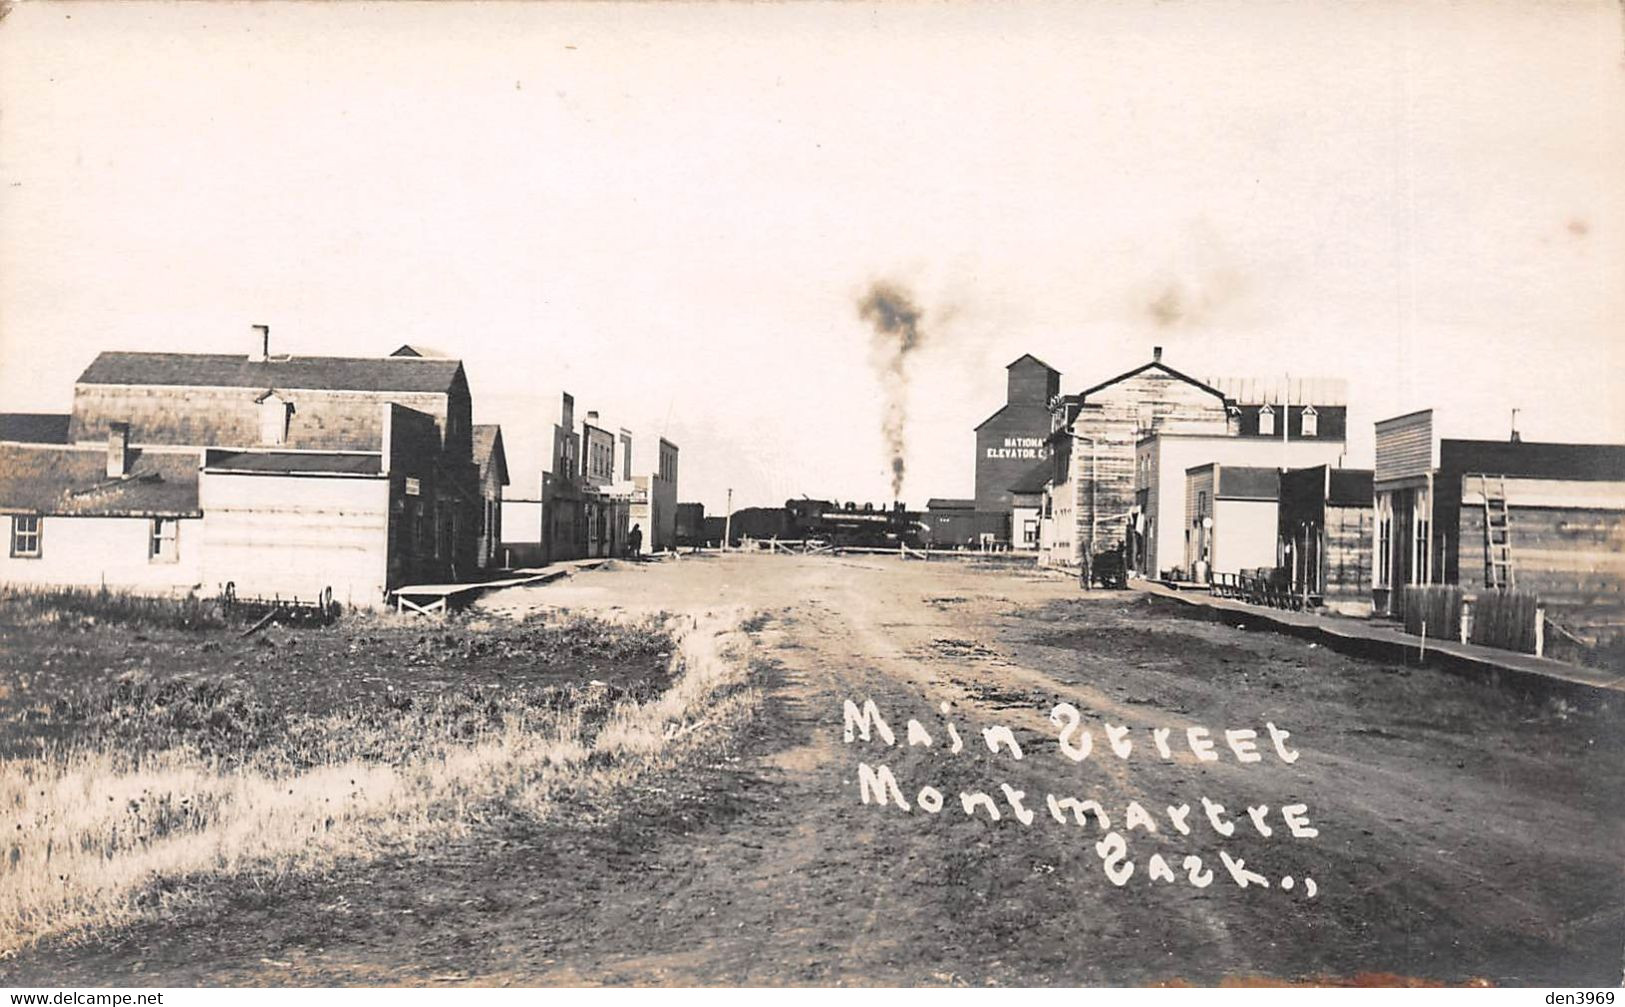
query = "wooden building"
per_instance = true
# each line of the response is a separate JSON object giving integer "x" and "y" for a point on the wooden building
{"x": 592, "y": 494}
{"x": 1010, "y": 441}
{"x": 92, "y": 516}
{"x": 1324, "y": 536}
{"x": 1161, "y": 531}
{"x": 492, "y": 462}
{"x": 1547, "y": 518}
{"x": 1120, "y": 451}
{"x": 298, "y": 473}
{"x": 1232, "y": 518}
{"x": 654, "y": 499}
{"x": 1093, "y": 439}
{"x": 1027, "y": 496}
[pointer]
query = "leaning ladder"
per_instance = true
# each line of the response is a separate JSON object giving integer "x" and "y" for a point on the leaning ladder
{"x": 1498, "y": 569}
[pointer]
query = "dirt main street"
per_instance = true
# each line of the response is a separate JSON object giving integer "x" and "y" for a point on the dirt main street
{"x": 1464, "y": 833}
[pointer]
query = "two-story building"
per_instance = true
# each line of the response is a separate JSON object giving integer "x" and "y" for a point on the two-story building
{"x": 281, "y": 475}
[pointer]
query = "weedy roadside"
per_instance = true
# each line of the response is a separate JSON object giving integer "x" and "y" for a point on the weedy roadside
{"x": 146, "y": 781}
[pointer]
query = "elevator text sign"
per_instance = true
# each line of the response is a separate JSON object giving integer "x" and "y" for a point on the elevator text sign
{"x": 1032, "y": 448}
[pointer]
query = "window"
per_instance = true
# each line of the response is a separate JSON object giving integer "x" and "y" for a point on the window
{"x": 1383, "y": 547}
{"x": 1029, "y": 532}
{"x": 1422, "y": 541}
{"x": 25, "y": 536}
{"x": 1266, "y": 422}
{"x": 163, "y": 546}
{"x": 1311, "y": 422}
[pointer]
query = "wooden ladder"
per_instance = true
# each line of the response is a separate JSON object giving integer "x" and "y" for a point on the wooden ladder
{"x": 1498, "y": 569}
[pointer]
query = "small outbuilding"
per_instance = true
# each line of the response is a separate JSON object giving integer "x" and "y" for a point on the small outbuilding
{"x": 1232, "y": 512}
{"x": 1324, "y": 533}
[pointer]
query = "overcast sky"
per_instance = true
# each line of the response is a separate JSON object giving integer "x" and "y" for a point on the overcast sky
{"x": 673, "y": 211}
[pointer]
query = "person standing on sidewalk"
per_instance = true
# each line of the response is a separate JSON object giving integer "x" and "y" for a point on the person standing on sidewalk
{"x": 634, "y": 541}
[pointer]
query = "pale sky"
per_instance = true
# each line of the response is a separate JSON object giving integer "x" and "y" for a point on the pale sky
{"x": 672, "y": 210}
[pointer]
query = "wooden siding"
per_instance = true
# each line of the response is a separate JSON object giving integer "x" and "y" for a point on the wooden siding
{"x": 1008, "y": 445}
{"x": 1346, "y": 564}
{"x": 1405, "y": 447}
{"x": 294, "y": 535}
{"x": 229, "y": 417}
{"x": 1118, "y": 416}
{"x": 1029, "y": 381}
{"x": 1605, "y": 496}
{"x": 1573, "y": 558}
{"x": 1243, "y": 536}
{"x": 111, "y": 552}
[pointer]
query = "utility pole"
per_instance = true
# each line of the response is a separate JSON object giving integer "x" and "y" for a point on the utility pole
{"x": 728, "y": 521}
{"x": 1086, "y": 567}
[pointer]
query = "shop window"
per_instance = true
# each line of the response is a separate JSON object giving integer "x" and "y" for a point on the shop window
{"x": 1383, "y": 546}
{"x": 25, "y": 536}
{"x": 163, "y": 545}
{"x": 1266, "y": 422}
{"x": 1311, "y": 422}
{"x": 1422, "y": 541}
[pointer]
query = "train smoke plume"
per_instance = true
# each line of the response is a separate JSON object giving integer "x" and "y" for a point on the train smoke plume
{"x": 896, "y": 320}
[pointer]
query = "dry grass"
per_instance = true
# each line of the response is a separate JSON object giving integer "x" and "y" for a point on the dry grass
{"x": 88, "y": 606}
{"x": 102, "y": 835}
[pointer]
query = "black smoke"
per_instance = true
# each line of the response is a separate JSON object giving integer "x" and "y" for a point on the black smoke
{"x": 896, "y": 320}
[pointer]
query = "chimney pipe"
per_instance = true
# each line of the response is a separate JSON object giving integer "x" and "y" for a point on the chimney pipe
{"x": 592, "y": 416}
{"x": 1156, "y": 354}
{"x": 260, "y": 348}
{"x": 118, "y": 450}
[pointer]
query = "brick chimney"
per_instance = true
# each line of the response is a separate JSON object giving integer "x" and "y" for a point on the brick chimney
{"x": 118, "y": 450}
{"x": 1156, "y": 354}
{"x": 260, "y": 348}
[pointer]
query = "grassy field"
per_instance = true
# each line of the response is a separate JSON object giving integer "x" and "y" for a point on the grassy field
{"x": 151, "y": 750}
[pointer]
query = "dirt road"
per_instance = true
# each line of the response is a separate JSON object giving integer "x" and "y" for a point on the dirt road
{"x": 1463, "y": 834}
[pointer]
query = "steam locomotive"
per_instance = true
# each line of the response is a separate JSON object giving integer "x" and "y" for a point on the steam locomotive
{"x": 854, "y": 524}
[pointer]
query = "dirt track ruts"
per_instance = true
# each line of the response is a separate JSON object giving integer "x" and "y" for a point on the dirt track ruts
{"x": 1463, "y": 833}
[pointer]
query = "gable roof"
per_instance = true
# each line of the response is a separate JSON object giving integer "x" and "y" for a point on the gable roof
{"x": 419, "y": 350}
{"x": 1029, "y": 356}
{"x": 35, "y": 428}
{"x": 1033, "y": 407}
{"x": 225, "y": 370}
{"x": 1153, "y": 365}
{"x": 488, "y": 450}
{"x": 57, "y": 480}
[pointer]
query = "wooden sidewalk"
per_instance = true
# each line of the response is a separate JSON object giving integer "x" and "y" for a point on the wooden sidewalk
{"x": 1381, "y": 641}
{"x": 430, "y": 598}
